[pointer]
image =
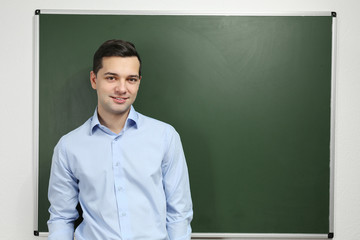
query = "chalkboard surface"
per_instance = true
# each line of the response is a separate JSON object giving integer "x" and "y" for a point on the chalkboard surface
{"x": 249, "y": 95}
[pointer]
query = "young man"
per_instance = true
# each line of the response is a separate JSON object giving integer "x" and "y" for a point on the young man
{"x": 127, "y": 171}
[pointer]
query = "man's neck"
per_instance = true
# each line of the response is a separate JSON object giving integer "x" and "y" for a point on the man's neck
{"x": 112, "y": 121}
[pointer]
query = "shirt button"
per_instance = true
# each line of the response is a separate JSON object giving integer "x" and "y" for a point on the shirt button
{"x": 117, "y": 164}
{"x": 123, "y": 214}
{"x": 120, "y": 189}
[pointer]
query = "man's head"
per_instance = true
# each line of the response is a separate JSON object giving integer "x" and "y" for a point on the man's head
{"x": 115, "y": 77}
{"x": 114, "y": 48}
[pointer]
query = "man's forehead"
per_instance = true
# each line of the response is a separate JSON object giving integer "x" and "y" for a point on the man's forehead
{"x": 120, "y": 58}
{"x": 120, "y": 62}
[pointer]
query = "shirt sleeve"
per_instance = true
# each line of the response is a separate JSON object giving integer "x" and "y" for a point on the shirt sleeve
{"x": 177, "y": 191}
{"x": 63, "y": 197}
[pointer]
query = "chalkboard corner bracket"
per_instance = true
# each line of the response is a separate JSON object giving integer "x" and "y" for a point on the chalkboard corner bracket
{"x": 36, "y": 233}
{"x": 331, "y": 235}
{"x": 334, "y": 14}
{"x": 37, "y": 12}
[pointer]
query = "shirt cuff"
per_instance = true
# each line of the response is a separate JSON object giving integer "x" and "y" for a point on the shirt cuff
{"x": 179, "y": 230}
{"x": 61, "y": 231}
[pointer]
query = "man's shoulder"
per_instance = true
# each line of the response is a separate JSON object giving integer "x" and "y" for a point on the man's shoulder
{"x": 155, "y": 124}
{"x": 78, "y": 133}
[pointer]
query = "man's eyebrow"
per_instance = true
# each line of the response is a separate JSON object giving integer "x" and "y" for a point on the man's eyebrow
{"x": 115, "y": 74}
{"x": 110, "y": 73}
{"x": 134, "y": 76}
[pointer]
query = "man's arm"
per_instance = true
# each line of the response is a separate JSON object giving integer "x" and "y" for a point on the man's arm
{"x": 177, "y": 191}
{"x": 63, "y": 197}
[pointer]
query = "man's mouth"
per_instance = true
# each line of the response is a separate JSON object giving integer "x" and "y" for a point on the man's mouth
{"x": 119, "y": 99}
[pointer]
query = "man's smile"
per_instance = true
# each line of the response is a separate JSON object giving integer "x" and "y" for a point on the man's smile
{"x": 119, "y": 99}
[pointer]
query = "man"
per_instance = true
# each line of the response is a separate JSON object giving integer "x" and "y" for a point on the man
{"x": 127, "y": 171}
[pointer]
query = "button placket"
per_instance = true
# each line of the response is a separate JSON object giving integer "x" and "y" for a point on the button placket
{"x": 120, "y": 193}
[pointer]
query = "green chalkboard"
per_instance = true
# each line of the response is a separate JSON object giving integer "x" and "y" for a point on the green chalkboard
{"x": 249, "y": 95}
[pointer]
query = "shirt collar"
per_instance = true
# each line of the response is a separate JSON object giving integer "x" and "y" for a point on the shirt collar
{"x": 132, "y": 120}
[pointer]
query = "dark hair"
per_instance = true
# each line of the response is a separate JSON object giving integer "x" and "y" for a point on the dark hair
{"x": 111, "y": 48}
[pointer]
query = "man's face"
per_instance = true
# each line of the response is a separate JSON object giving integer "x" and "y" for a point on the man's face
{"x": 117, "y": 84}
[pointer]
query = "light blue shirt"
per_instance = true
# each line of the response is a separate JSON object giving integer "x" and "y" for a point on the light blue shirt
{"x": 132, "y": 185}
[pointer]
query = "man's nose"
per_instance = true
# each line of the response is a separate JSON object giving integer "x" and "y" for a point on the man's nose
{"x": 120, "y": 86}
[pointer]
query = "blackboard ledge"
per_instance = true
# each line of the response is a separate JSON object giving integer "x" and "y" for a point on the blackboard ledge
{"x": 41, "y": 234}
{"x": 258, "y": 235}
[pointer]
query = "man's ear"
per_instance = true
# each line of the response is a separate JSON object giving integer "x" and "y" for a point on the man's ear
{"x": 93, "y": 79}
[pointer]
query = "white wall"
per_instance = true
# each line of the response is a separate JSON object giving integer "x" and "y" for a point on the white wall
{"x": 16, "y": 104}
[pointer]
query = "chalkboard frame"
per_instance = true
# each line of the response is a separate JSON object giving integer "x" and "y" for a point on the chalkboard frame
{"x": 194, "y": 235}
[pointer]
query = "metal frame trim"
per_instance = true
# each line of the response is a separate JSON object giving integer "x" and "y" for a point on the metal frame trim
{"x": 185, "y": 12}
{"x": 332, "y": 130}
{"x": 36, "y": 117}
{"x": 196, "y": 13}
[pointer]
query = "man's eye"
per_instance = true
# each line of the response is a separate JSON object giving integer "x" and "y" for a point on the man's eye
{"x": 110, "y": 78}
{"x": 132, "y": 79}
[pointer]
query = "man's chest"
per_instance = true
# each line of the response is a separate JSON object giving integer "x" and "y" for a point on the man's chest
{"x": 103, "y": 161}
